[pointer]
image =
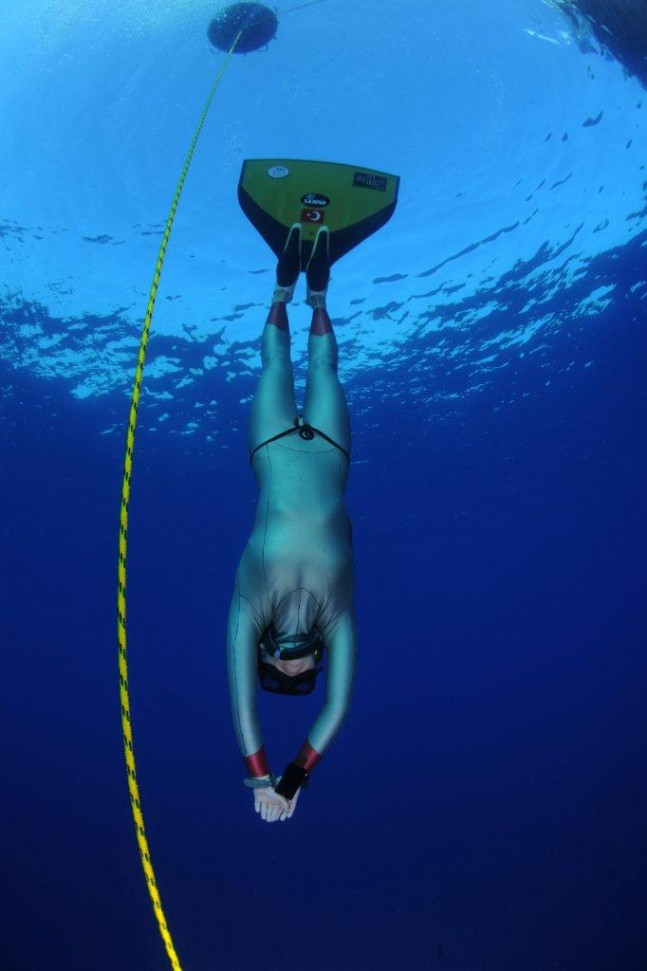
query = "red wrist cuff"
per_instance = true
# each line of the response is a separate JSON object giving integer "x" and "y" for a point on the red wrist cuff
{"x": 307, "y": 757}
{"x": 257, "y": 763}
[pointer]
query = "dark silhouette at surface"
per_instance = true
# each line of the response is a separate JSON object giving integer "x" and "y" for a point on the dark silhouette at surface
{"x": 620, "y": 26}
{"x": 255, "y": 22}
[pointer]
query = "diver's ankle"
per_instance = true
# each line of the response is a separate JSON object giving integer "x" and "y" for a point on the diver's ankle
{"x": 278, "y": 315}
{"x": 321, "y": 322}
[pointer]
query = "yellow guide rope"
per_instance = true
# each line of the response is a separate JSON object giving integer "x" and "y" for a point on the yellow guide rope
{"x": 133, "y": 787}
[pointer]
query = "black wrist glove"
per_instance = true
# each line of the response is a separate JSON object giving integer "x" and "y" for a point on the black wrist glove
{"x": 291, "y": 781}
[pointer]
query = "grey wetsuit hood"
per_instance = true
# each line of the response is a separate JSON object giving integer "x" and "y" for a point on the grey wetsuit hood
{"x": 294, "y": 616}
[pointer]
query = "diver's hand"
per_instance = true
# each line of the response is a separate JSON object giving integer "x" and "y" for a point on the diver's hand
{"x": 291, "y": 805}
{"x": 270, "y": 805}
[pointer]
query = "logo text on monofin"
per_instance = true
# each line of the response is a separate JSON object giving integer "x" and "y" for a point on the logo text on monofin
{"x": 312, "y": 216}
{"x": 365, "y": 180}
{"x": 315, "y": 199}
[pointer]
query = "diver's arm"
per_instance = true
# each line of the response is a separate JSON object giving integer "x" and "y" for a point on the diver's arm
{"x": 243, "y": 635}
{"x": 341, "y": 642}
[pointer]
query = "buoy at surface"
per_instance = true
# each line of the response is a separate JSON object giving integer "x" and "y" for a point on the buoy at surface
{"x": 256, "y": 23}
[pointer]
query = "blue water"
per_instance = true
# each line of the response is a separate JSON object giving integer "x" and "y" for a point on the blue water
{"x": 483, "y": 807}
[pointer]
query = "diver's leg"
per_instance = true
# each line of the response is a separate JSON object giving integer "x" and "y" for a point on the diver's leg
{"x": 274, "y": 406}
{"x": 325, "y": 402}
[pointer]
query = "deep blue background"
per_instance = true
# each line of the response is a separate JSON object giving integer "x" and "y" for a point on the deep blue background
{"x": 484, "y": 806}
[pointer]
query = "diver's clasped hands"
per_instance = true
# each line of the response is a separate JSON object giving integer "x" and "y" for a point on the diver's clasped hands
{"x": 272, "y": 806}
{"x": 275, "y": 797}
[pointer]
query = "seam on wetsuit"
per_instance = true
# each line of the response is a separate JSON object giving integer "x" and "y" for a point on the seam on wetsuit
{"x": 267, "y": 518}
{"x": 301, "y": 591}
{"x": 233, "y": 648}
{"x": 298, "y": 627}
{"x": 246, "y": 737}
{"x": 255, "y": 613}
{"x": 299, "y": 428}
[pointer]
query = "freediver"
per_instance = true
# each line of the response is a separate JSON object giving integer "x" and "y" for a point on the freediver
{"x": 293, "y": 595}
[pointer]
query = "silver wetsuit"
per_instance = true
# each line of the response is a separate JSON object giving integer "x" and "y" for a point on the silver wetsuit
{"x": 296, "y": 571}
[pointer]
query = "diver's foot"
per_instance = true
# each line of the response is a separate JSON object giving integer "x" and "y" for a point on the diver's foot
{"x": 318, "y": 270}
{"x": 288, "y": 266}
